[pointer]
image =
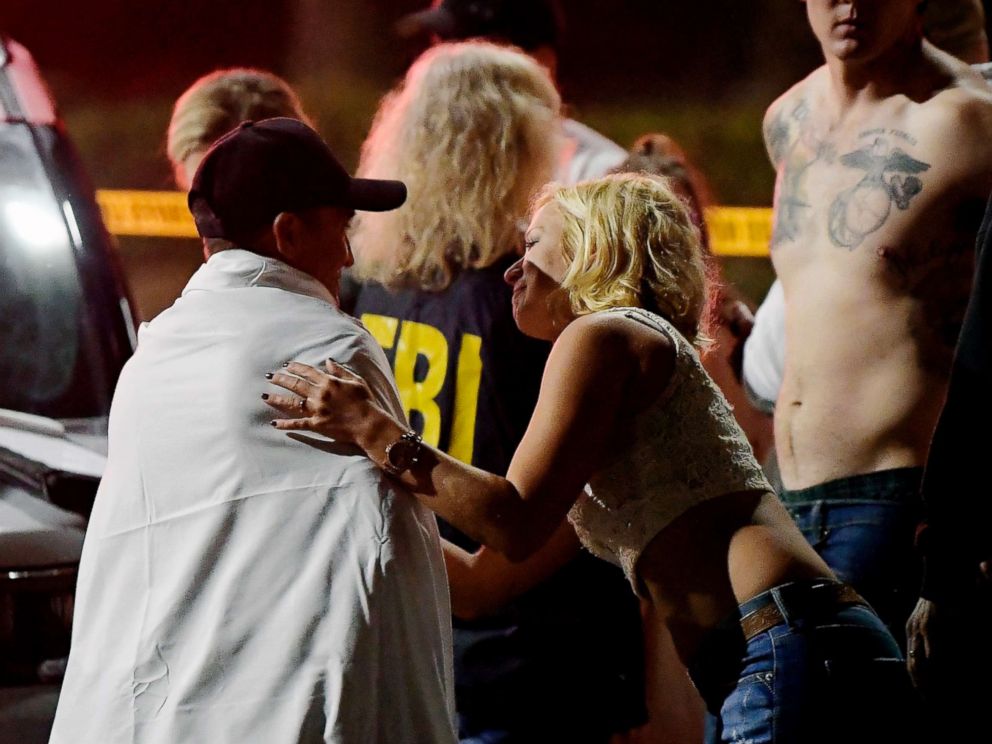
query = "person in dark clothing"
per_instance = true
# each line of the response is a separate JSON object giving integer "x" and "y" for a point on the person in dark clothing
{"x": 472, "y": 131}
{"x": 949, "y": 638}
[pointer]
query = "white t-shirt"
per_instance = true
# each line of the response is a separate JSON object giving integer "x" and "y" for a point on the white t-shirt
{"x": 239, "y": 584}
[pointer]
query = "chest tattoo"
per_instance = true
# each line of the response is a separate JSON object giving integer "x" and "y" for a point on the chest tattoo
{"x": 890, "y": 177}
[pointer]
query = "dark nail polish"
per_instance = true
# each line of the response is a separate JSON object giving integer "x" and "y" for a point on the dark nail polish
{"x": 285, "y": 364}
{"x": 265, "y": 396}
{"x": 273, "y": 423}
{"x": 268, "y": 375}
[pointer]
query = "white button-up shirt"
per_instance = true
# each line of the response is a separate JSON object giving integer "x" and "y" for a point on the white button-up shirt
{"x": 239, "y": 584}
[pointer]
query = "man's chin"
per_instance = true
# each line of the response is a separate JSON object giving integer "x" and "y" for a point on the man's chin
{"x": 850, "y": 50}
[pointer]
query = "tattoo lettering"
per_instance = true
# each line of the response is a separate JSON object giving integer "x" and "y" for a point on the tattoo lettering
{"x": 890, "y": 176}
{"x": 874, "y": 133}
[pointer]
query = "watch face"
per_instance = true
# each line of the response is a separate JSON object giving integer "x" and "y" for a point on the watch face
{"x": 400, "y": 454}
{"x": 403, "y": 454}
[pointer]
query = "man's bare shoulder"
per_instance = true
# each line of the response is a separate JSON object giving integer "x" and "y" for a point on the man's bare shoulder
{"x": 969, "y": 105}
{"x": 783, "y": 118}
{"x": 962, "y": 108}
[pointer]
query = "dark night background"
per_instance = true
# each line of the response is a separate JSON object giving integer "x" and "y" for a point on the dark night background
{"x": 115, "y": 66}
{"x": 702, "y": 71}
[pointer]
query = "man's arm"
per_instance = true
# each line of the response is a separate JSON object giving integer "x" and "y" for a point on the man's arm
{"x": 957, "y": 27}
{"x": 784, "y": 120}
{"x": 777, "y": 131}
{"x": 763, "y": 352}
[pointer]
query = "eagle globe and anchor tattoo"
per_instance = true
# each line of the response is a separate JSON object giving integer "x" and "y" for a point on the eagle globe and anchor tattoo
{"x": 890, "y": 177}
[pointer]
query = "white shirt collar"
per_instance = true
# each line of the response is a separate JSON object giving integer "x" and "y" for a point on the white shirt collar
{"x": 237, "y": 268}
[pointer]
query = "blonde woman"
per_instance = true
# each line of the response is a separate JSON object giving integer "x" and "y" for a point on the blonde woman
{"x": 472, "y": 132}
{"x": 614, "y": 277}
{"x": 215, "y": 104}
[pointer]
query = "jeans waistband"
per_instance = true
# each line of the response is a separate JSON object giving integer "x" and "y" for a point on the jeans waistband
{"x": 794, "y": 602}
{"x": 716, "y": 665}
{"x": 897, "y": 484}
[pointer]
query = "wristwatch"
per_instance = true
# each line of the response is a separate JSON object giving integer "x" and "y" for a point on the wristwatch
{"x": 403, "y": 454}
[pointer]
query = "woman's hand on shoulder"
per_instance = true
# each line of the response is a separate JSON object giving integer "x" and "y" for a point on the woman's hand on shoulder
{"x": 336, "y": 403}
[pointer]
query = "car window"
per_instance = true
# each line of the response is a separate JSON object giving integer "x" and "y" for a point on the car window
{"x": 44, "y": 365}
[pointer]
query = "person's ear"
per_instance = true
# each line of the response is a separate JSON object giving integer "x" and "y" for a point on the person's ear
{"x": 287, "y": 228}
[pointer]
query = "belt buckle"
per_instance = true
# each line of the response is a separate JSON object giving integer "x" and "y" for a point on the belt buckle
{"x": 791, "y": 602}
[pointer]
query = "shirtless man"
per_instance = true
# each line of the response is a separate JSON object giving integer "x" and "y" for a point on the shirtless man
{"x": 884, "y": 162}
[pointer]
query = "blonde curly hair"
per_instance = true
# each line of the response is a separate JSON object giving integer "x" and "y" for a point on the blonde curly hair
{"x": 219, "y": 101}
{"x": 630, "y": 241}
{"x": 473, "y": 132}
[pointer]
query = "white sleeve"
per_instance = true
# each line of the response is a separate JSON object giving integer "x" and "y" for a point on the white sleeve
{"x": 764, "y": 350}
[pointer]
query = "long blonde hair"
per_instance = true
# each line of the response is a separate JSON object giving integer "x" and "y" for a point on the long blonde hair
{"x": 472, "y": 131}
{"x": 219, "y": 101}
{"x": 629, "y": 241}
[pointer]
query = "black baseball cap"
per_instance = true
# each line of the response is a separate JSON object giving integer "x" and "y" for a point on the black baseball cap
{"x": 260, "y": 169}
{"x": 528, "y": 24}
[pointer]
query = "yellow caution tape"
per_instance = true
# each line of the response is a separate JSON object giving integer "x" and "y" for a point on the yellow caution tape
{"x": 739, "y": 231}
{"x": 161, "y": 214}
{"x": 734, "y": 231}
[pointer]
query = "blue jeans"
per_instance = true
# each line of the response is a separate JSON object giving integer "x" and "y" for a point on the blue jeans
{"x": 826, "y": 676}
{"x": 863, "y": 526}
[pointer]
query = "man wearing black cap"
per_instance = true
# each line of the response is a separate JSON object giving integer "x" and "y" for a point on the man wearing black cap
{"x": 535, "y": 27}
{"x": 238, "y": 584}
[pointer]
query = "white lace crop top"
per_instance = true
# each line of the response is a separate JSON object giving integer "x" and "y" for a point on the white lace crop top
{"x": 684, "y": 448}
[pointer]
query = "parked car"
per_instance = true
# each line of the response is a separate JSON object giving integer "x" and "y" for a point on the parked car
{"x": 66, "y": 329}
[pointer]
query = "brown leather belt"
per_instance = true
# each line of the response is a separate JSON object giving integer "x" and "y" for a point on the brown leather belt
{"x": 824, "y": 598}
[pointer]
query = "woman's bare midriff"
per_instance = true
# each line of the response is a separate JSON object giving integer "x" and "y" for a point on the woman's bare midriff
{"x": 718, "y": 555}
